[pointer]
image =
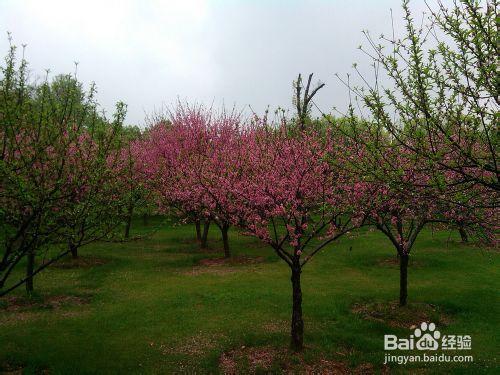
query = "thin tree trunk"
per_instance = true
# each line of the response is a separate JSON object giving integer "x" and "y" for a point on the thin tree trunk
{"x": 225, "y": 240}
{"x": 74, "y": 251}
{"x": 197, "y": 225}
{"x": 145, "y": 219}
{"x": 204, "y": 236}
{"x": 403, "y": 279}
{"x": 30, "y": 267}
{"x": 463, "y": 234}
{"x": 297, "y": 331}
{"x": 129, "y": 221}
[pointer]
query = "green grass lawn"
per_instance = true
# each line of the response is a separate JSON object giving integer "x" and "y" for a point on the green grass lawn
{"x": 148, "y": 306}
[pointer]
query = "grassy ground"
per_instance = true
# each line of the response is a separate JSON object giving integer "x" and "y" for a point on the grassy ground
{"x": 148, "y": 306}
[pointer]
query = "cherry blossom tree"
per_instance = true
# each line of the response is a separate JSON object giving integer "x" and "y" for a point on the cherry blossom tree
{"x": 55, "y": 170}
{"x": 407, "y": 193}
{"x": 100, "y": 187}
{"x": 294, "y": 198}
{"x": 219, "y": 172}
{"x": 185, "y": 159}
{"x": 401, "y": 206}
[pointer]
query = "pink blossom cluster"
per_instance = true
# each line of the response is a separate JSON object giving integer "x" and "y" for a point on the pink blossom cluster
{"x": 291, "y": 188}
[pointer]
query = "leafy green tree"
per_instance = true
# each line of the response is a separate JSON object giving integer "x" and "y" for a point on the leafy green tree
{"x": 58, "y": 168}
{"x": 435, "y": 92}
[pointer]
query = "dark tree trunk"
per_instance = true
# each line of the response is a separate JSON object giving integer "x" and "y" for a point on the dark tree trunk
{"x": 129, "y": 221}
{"x": 297, "y": 332}
{"x": 30, "y": 267}
{"x": 145, "y": 219}
{"x": 225, "y": 240}
{"x": 197, "y": 225}
{"x": 403, "y": 279}
{"x": 74, "y": 251}
{"x": 463, "y": 234}
{"x": 204, "y": 236}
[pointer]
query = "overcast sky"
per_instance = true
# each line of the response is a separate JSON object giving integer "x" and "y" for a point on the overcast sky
{"x": 148, "y": 53}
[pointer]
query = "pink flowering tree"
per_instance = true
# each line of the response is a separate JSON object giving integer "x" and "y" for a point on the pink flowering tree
{"x": 218, "y": 174}
{"x": 294, "y": 198}
{"x": 162, "y": 157}
{"x": 408, "y": 193}
{"x": 56, "y": 171}
{"x": 402, "y": 204}
{"x": 101, "y": 186}
{"x": 187, "y": 161}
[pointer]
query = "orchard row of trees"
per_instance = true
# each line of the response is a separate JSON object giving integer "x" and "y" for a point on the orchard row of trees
{"x": 299, "y": 187}
{"x": 426, "y": 153}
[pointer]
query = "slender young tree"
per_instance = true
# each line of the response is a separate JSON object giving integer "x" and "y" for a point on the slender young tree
{"x": 292, "y": 197}
{"x": 130, "y": 177}
{"x": 400, "y": 208}
{"x": 405, "y": 196}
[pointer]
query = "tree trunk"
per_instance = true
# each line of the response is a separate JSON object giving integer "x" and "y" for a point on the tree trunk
{"x": 463, "y": 234}
{"x": 197, "y": 225}
{"x": 403, "y": 279}
{"x": 204, "y": 236}
{"x": 145, "y": 219}
{"x": 297, "y": 332}
{"x": 30, "y": 267}
{"x": 225, "y": 240}
{"x": 129, "y": 221}
{"x": 74, "y": 251}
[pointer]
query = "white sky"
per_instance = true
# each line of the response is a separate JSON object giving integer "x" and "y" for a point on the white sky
{"x": 148, "y": 53}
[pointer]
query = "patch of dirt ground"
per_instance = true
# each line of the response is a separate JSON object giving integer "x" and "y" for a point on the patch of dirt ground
{"x": 276, "y": 326}
{"x": 14, "y": 309}
{"x": 396, "y": 316}
{"x": 256, "y": 360}
{"x": 13, "y": 369}
{"x": 196, "y": 345}
{"x": 15, "y": 303}
{"x": 10, "y": 369}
